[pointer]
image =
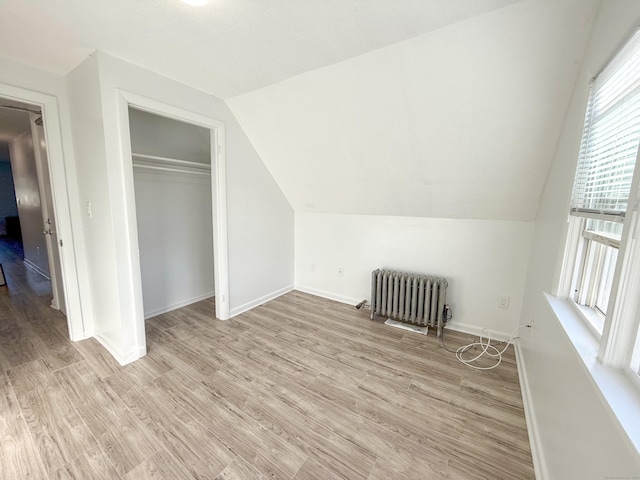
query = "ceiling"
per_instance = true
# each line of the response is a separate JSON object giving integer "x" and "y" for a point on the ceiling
{"x": 461, "y": 122}
{"x": 227, "y": 47}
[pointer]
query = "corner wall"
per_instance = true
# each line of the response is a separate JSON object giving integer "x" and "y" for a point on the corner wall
{"x": 482, "y": 259}
{"x": 260, "y": 220}
{"x": 576, "y": 431}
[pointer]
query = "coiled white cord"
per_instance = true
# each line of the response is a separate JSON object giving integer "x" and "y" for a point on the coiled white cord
{"x": 485, "y": 349}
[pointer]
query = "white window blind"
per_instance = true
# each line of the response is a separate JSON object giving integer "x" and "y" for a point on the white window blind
{"x": 610, "y": 138}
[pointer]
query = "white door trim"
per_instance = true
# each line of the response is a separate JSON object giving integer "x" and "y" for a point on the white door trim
{"x": 59, "y": 168}
{"x": 219, "y": 200}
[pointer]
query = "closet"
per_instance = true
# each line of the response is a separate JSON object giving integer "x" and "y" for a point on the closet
{"x": 172, "y": 183}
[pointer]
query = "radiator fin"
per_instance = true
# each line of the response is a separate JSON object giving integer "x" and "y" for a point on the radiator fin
{"x": 410, "y": 298}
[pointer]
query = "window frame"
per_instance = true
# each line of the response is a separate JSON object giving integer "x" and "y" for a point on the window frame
{"x": 619, "y": 342}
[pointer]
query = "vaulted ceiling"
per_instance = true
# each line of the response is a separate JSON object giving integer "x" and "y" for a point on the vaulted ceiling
{"x": 225, "y": 47}
{"x": 461, "y": 122}
{"x": 438, "y": 108}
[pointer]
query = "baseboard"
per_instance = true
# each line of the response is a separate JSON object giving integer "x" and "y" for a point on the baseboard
{"x": 35, "y": 268}
{"x": 111, "y": 348}
{"x": 328, "y": 295}
{"x": 477, "y": 331}
{"x": 259, "y": 301}
{"x": 182, "y": 303}
{"x": 80, "y": 334}
{"x": 539, "y": 465}
{"x": 122, "y": 358}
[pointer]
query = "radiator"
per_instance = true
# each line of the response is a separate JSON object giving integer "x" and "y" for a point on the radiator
{"x": 409, "y": 298}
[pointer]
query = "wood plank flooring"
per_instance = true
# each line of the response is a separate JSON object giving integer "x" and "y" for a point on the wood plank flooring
{"x": 300, "y": 388}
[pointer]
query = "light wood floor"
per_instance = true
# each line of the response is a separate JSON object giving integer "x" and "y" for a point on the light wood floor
{"x": 300, "y": 388}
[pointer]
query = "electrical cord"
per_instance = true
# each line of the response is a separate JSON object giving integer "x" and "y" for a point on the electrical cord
{"x": 486, "y": 349}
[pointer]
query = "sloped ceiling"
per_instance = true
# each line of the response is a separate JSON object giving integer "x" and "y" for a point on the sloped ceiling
{"x": 226, "y": 47}
{"x": 460, "y": 122}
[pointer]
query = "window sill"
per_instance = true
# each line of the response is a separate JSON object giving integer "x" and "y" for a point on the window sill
{"x": 619, "y": 391}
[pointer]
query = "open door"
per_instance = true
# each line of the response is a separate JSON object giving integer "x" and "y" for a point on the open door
{"x": 49, "y": 229}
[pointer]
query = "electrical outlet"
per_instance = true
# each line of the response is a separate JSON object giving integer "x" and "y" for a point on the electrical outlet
{"x": 341, "y": 271}
{"x": 531, "y": 323}
{"x": 313, "y": 267}
{"x": 503, "y": 301}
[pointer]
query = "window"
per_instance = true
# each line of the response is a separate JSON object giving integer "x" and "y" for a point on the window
{"x": 603, "y": 257}
{"x": 597, "y": 257}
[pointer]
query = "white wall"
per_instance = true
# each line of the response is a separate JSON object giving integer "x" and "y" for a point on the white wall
{"x": 460, "y": 122}
{"x": 175, "y": 238}
{"x": 164, "y": 137}
{"x": 26, "y": 83}
{"x": 260, "y": 220}
{"x": 25, "y": 180}
{"x": 579, "y": 436}
{"x": 88, "y": 127}
{"x": 173, "y": 212}
{"x": 482, "y": 259}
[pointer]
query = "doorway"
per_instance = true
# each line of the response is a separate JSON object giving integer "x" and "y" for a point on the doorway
{"x": 57, "y": 144}
{"x": 27, "y": 219}
{"x": 217, "y": 201}
{"x": 172, "y": 182}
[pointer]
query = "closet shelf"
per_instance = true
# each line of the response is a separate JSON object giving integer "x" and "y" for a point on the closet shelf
{"x": 152, "y": 160}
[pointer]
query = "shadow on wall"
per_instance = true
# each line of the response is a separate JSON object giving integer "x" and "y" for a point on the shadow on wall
{"x": 9, "y": 222}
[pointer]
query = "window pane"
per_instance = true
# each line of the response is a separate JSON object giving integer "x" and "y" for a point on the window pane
{"x": 608, "y": 267}
{"x": 613, "y": 229}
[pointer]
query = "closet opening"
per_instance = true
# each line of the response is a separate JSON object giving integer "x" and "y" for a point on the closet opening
{"x": 172, "y": 182}
{"x": 175, "y": 191}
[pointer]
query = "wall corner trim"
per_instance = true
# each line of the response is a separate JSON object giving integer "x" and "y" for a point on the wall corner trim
{"x": 328, "y": 295}
{"x": 477, "y": 331}
{"x": 123, "y": 358}
{"x": 537, "y": 453}
{"x": 182, "y": 303}
{"x": 259, "y": 301}
{"x": 29, "y": 264}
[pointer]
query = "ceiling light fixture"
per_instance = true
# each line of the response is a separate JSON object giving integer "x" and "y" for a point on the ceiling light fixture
{"x": 195, "y": 3}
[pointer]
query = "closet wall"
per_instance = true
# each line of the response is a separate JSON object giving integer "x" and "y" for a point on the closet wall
{"x": 172, "y": 180}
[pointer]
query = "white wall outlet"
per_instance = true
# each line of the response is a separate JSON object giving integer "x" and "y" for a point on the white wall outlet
{"x": 503, "y": 301}
{"x": 531, "y": 322}
{"x": 313, "y": 267}
{"x": 341, "y": 271}
{"x": 89, "y": 211}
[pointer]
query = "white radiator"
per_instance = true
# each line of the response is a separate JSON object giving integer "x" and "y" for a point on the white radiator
{"x": 410, "y": 298}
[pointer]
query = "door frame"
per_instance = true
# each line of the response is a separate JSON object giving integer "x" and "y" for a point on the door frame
{"x": 218, "y": 198}
{"x": 60, "y": 167}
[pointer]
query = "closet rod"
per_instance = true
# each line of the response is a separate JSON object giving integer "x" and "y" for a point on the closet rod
{"x": 171, "y": 161}
{"x": 173, "y": 170}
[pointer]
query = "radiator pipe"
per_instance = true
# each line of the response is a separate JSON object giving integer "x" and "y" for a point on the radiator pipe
{"x": 361, "y": 304}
